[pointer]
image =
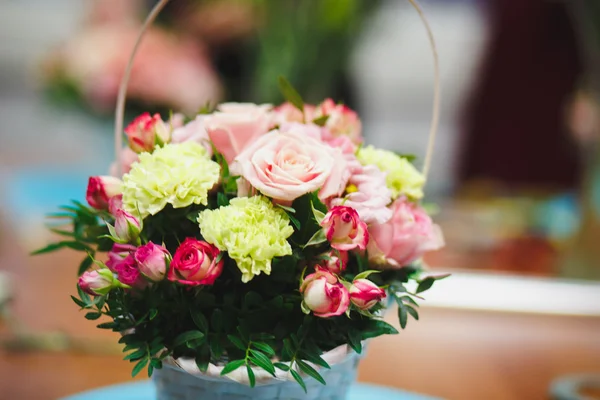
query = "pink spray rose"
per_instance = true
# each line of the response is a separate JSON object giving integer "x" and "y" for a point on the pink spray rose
{"x": 147, "y": 131}
{"x": 324, "y": 295}
{"x": 195, "y": 263}
{"x": 236, "y": 125}
{"x": 127, "y": 271}
{"x": 115, "y": 204}
{"x": 405, "y": 237}
{"x": 97, "y": 282}
{"x": 336, "y": 261}
{"x": 193, "y": 131}
{"x": 370, "y": 196}
{"x": 153, "y": 261}
{"x": 101, "y": 189}
{"x": 118, "y": 253}
{"x": 287, "y": 112}
{"x": 127, "y": 227}
{"x": 344, "y": 229}
{"x": 287, "y": 165}
{"x": 342, "y": 120}
{"x": 364, "y": 294}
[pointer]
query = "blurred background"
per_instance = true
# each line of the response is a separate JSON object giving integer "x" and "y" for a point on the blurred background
{"x": 515, "y": 180}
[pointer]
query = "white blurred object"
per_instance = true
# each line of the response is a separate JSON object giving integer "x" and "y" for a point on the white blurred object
{"x": 492, "y": 292}
{"x": 393, "y": 73}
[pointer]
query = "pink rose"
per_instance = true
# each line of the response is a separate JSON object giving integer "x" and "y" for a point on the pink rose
{"x": 405, "y": 237}
{"x": 101, "y": 189}
{"x": 342, "y": 120}
{"x": 126, "y": 159}
{"x": 287, "y": 112}
{"x": 370, "y": 196}
{"x": 145, "y": 132}
{"x": 127, "y": 271}
{"x": 195, "y": 263}
{"x": 364, "y": 294}
{"x": 335, "y": 262}
{"x": 97, "y": 282}
{"x": 287, "y": 165}
{"x": 344, "y": 229}
{"x": 324, "y": 295}
{"x": 127, "y": 227}
{"x": 237, "y": 125}
{"x": 153, "y": 261}
{"x": 193, "y": 131}
{"x": 118, "y": 253}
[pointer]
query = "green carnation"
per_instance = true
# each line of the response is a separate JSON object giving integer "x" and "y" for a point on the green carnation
{"x": 402, "y": 177}
{"x": 176, "y": 174}
{"x": 251, "y": 230}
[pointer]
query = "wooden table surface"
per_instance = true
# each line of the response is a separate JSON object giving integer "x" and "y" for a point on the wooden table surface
{"x": 453, "y": 354}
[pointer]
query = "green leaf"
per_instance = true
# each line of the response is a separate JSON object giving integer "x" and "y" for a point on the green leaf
{"x": 84, "y": 296}
{"x": 92, "y": 315}
{"x": 216, "y": 348}
{"x": 425, "y": 284}
{"x": 199, "y": 320}
{"x": 265, "y": 348}
{"x": 136, "y": 355}
{"x": 319, "y": 215}
{"x": 355, "y": 340}
{"x": 232, "y": 366}
{"x": 251, "y": 376}
{"x": 131, "y": 339}
{"x": 286, "y": 208}
{"x": 402, "y": 316}
{"x": 78, "y": 302}
{"x": 139, "y": 366}
{"x": 408, "y": 299}
{"x": 150, "y": 370}
{"x": 291, "y": 94}
{"x": 321, "y": 121}
{"x": 202, "y": 363}
{"x": 365, "y": 274}
{"x": 237, "y": 342}
{"x": 156, "y": 363}
{"x": 310, "y": 371}
{"x": 282, "y": 366}
{"x": 414, "y": 313}
{"x": 153, "y": 314}
{"x": 186, "y": 337}
{"x": 51, "y": 247}
{"x": 318, "y": 238}
{"x": 253, "y": 299}
{"x": 106, "y": 325}
{"x": 222, "y": 199}
{"x": 298, "y": 379}
{"x": 294, "y": 221}
{"x": 216, "y": 320}
{"x": 262, "y": 361}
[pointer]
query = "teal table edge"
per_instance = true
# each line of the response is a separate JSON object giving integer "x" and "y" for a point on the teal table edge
{"x": 145, "y": 391}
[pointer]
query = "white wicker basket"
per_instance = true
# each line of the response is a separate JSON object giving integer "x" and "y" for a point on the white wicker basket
{"x": 175, "y": 383}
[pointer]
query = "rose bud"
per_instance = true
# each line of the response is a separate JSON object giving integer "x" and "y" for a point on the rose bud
{"x": 127, "y": 227}
{"x": 153, "y": 261}
{"x": 101, "y": 189}
{"x": 344, "y": 229}
{"x": 405, "y": 237}
{"x": 146, "y": 132}
{"x": 195, "y": 263}
{"x": 98, "y": 282}
{"x": 324, "y": 295}
{"x": 364, "y": 294}
{"x": 336, "y": 261}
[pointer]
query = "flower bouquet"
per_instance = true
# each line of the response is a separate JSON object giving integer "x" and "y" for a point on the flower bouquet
{"x": 251, "y": 244}
{"x": 252, "y": 241}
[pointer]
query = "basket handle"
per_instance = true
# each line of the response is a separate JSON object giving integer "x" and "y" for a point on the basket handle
{"x": 120, "y": 109}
